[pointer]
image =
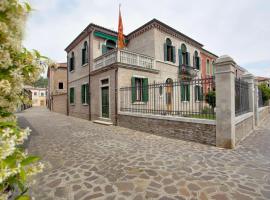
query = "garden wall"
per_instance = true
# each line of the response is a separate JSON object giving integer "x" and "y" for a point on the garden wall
{"x": 197, "y": 130}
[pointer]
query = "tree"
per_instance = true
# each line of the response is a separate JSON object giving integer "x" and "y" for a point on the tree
{"x": 41, "y": 82}
{"x": 18, "y": 67}
{"x": 265, "y": 92}
{"x": 210, "y": 98}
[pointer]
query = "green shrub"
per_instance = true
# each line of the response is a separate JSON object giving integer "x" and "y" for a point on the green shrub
{"x": 265, "y": 92}
{"x": 210, "y": 98}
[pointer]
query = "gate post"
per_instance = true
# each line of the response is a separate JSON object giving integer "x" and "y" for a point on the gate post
{"x": 256, "y": 103}
{"x": 225, "y": 102}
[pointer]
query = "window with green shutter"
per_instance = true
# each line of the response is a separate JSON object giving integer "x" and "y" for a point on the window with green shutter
{"x": 198, "y": 93}
{"x": 139, "y": 89}
{"x": 71, "y": 95}
{"x": 185, "y": 92}
{"x": 169, "y": 51}
{"x": 85, "y": 93}
{"x": 85, "y": 53}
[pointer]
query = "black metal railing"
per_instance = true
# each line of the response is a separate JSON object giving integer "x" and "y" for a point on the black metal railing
{"x": 190, "y": 98}
{"x": 241, "y": 97}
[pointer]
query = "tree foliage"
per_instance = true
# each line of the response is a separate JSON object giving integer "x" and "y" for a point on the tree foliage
{"x": 41, "y": 82}
{"x": 18, "y": 67}
{"x": 210, "y": 98}
{"x": 265, "y": 92}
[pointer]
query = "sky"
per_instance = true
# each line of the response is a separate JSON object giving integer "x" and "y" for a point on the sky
{"x": 240, "y": 29}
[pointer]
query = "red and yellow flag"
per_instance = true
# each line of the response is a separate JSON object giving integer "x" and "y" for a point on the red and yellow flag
{"x": 121, "y": 39}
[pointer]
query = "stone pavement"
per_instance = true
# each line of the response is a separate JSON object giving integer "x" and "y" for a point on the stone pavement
{"x": 90, "y": 161}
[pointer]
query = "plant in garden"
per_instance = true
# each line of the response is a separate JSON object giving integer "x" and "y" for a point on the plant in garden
{"x": 265, "y": 92}
{"x": 210, "y": 98}
{"x": 18, "y": 67}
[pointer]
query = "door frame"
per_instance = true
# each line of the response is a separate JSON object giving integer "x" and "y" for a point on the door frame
{"x": 100, "y": 96}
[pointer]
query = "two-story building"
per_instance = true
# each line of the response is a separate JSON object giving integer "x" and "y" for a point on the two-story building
{"x": 104, "y": 80}
{"x": 57, "y": 88}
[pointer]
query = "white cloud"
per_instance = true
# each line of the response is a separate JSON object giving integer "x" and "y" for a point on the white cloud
{"x": 237, "y": 28}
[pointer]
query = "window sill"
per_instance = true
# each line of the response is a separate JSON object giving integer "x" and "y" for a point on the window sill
{"x": 85, "y": 64}
{"x": 139, "y": 103}
{"x": 72, "y": 71}
{"x": 85, "y": 104}
{"x": 185, "y": 101}
{"x": 72, "y": 104}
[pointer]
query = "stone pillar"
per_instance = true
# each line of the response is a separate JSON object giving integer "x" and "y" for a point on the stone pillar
{"x": 225, "y": 102}
{"x": 256, "y": 103}
{"x": 249, "y": 78}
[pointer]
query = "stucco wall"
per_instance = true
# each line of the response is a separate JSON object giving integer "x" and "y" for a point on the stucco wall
{"x": 95, "y": 90}
{"x": 264, "y": 112}
{"x": 197, "y": 132}
{"x": 60, "y": 103}
{"x": 78, "y": 109}
{"x": 79, "y": 69}
{"x": 244, "y": 127}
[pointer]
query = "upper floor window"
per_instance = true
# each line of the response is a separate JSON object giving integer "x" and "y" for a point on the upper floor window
{"x": 184, "y": 56}
{"x": 169, "y": 51}
{"x": 196, "y": 60}
{"x": 110, "y": 45}
{"x": 42, "y": 94}
{"x": 60, "y": 85}
{"x": 71, "y": 62}
{"x": 85, "y": 53}
{"x": 207, "y": 66}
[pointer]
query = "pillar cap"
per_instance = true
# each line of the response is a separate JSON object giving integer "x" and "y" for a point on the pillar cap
{"x": 224, "y": 59}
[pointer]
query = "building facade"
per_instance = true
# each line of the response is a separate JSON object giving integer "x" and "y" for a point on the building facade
{"x": 155, "y": 53}
{"x": 38, "y": 96}
{"x": 57, "y": 88}
{"x": 263, "y": 80}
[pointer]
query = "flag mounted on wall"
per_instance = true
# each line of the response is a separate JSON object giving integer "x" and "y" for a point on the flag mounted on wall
{"x": 121, "y": 39}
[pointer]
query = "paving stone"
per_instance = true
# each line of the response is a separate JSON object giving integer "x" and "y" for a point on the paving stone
{"x": 118, "y": 163}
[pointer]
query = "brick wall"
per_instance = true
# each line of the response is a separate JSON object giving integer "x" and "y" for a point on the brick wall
{"x": 60, "y": 103}
{"x": 197, "y": 132}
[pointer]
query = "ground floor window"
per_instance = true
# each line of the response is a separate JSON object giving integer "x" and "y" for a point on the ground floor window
{"x": 85, "y": 93}
{"x": 72, "y": 95}
{"x": 198, "y": 93}
{"x": 139, "y": 89}
{"x": 185, "y": 92}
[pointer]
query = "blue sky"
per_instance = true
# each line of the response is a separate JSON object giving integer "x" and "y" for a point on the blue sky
{"x": 236, "y": 28}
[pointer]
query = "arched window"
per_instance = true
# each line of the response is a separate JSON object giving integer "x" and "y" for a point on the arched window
{"x": 72, "y": 62}
{"x": 85, "y": 53}
{"x": 184, "y": 57}
{"x": 169, "y": 51}
{"x": 110, "y": 45}
{"x": 196, "y": 60}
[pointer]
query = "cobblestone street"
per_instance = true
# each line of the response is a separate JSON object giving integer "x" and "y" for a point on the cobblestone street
{"x": 85, "y": 161}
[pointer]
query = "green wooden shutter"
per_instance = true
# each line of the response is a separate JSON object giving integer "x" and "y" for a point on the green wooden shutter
{"x": 182, "y": 93}
{"x": 173, "y": 56}
{"x": 199, "y": 63}
{"x": 188, "y": 58}
{"x": 87, "y": 93}
{"x": 180, "y": 57}
{"x": 104, "y": 49}
{"x": 133, "y": 90}
{"x": 188, "y": 92}
{"x": 145, "y": 90}
{"x": 83, "y": 94}
{"x": 71, "y": 95}
{"x": 197, "y": 93}
{"x": 201, "y": 93}
{"x": 83, "y": 57}
{"x": 165, "y": 52}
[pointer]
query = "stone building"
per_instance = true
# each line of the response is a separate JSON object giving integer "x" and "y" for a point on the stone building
{"x": 57, "y": 88}
{"x": 262, "y": 80}
{"x": 38, "y": 96}
{"x": 155, "y": 52}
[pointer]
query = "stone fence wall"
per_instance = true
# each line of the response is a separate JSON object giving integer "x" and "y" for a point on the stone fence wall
{"x": 243, "y": 126}
{"x": 198, "y": 130}
{"x": 263, "y": 113}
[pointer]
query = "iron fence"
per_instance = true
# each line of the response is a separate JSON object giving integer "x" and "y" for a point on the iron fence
{"x": 241, "y": 97}
{"x": 186, "y": 98}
